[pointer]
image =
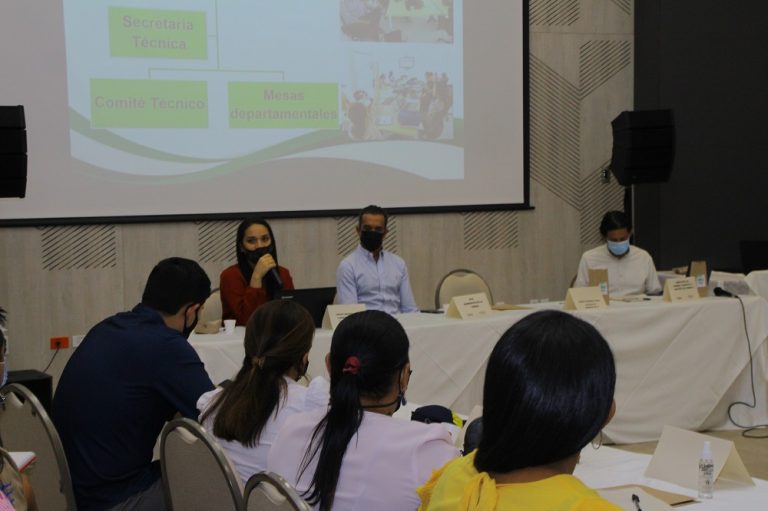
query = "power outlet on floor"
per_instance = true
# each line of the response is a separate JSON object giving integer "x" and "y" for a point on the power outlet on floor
{"x": 59, "y": 343}
{"x": 76, "y": 340}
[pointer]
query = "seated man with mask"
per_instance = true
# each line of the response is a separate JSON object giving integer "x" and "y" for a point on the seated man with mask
{"x": 630, "y": 268}
{"x": 371, "y": 275}
{"x": 133, "y": 372}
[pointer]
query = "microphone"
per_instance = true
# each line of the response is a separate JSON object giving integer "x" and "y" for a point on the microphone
{"x": 719, "y": 291}
{"x": 279, "y": 281}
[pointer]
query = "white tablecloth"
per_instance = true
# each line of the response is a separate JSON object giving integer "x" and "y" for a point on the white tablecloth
{"x": 679, "y": 364}
{"x": 607, "y": 467}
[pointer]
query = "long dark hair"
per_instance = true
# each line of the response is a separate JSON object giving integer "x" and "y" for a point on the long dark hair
{"x": 242, "y": 257}
{"x": 368, "y": 351}
{"x": 548, "y": 391}
{"x": 277, "y": 336}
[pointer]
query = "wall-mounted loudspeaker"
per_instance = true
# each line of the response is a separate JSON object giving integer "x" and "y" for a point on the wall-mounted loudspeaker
{"x": 643, "y": 146}
{"x": 13, "y": 152}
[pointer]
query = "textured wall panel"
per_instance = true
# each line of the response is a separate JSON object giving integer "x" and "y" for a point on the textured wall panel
{"x": 215, "y": 240}
{"x": 624, "y": 5}
{"x": 553, "y": 12}
{"x": 554, "y": 132}
{"x": 347, "y": 240}
{"x": 490, "y": 230}
{"x": 597, "y": 198}
{"x": 78, "y": 247}
{"x": 599, "y": 61}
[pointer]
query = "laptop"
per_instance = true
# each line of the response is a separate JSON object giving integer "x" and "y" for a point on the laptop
{"x": 315, "y": 300}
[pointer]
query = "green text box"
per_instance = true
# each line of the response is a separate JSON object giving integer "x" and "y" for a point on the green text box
{"x": 283, "y": 105}
{"x": 149, "y": 104}
{"x": 157, "y": 34}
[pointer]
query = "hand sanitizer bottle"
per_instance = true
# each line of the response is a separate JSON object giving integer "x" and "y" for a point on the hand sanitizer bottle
{"x": 706, "y": 472}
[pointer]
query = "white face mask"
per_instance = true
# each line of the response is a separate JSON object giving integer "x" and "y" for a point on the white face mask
{"x": 618, "y": 248}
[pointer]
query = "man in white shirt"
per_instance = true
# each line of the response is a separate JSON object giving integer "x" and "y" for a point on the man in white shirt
{"x": 630, "y": 269}
{"x": 372, "y": 275}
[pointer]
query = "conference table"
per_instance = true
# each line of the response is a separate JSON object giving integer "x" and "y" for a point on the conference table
{"x": 680, "y": 364}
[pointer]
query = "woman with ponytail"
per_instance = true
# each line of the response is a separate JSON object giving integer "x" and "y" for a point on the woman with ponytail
{"x": 355, "y": 455}
{"x": 246, "y": 415}
{"x": 548, "y": 392}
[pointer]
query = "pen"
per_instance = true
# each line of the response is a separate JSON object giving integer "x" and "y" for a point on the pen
{"x": 636, "y": 500}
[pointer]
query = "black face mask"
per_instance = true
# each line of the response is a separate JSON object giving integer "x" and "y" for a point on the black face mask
{"x": 188, "y": 329}
{"x": 254, "y": 255}
{"x": 371, "y": 240}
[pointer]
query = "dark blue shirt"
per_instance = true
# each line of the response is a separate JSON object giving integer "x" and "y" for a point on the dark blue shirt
{"x": 128, "y": 377}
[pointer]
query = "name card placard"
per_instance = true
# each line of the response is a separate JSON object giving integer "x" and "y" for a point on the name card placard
{"x": 598, "y": 277}
{"x": 469, "y": 306}
{"x": 584, "y": 298}
{"x": 681, "y": 290}
{"x": 698, "y": 270}
{"x": 335, "y": 313}
{"x": 678, "y": 450}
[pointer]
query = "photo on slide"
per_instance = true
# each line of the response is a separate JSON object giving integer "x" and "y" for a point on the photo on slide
{"x": 394, "y": 21}
{"x": 399, "y": 105}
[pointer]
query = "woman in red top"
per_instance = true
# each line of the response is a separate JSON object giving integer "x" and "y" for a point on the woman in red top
{"x": 256, "y": 277}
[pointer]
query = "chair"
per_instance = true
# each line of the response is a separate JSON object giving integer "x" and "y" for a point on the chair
{"x": 196, "y": 473}
{"x": 211, "y": 308}
{"x": 458, "y": 283}
{"x": 25, "y": 426}
{"x": 267, "y": 491}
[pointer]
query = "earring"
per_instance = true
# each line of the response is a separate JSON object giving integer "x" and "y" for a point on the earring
{"x": 599, "y": 439}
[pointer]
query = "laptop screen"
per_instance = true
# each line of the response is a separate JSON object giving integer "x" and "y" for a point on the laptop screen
{"x": 315, "y": 300}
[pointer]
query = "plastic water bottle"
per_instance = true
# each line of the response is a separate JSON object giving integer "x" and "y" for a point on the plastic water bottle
{"x": 706, "y": 472}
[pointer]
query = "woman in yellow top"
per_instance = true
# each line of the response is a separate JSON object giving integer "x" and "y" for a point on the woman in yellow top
{"x": 548, "y": 392}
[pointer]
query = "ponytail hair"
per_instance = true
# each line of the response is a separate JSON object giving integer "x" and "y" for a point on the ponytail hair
{"x": 368, "y": 351}
{"x": 277, "y": 336}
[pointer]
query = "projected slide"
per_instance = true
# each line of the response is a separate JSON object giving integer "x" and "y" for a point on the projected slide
{"x": 180, "y": 89}
{"x": 159, "y": 108}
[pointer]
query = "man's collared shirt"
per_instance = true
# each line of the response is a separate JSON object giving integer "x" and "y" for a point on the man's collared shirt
{"x": 380, "y": 285}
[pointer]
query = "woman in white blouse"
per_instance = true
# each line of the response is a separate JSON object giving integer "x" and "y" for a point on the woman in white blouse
{"x": 356, "y": 456}
{"x": 246, "y": 415}
{"x": 630, "y": 268}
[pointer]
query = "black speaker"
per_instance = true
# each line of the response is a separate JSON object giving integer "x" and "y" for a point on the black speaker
{"x": 643, "y": 146}
{"x": 13, "y": 152}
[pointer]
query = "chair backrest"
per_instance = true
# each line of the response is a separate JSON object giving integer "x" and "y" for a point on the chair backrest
{"x": 25, "y": 426}
{"x": 196, "y": 473}
{"x": 267, "y": 491}
{"x": 458, "y": 283}
{"x": 211, "y": 308}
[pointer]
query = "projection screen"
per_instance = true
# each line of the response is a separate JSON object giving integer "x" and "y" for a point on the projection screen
{"x": 193, "y": 108}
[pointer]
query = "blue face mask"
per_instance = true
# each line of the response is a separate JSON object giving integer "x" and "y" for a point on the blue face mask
{"x": 618, "y": 248}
